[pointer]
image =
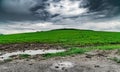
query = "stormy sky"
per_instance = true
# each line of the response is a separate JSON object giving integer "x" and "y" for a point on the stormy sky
{"x": 17, "y": 16}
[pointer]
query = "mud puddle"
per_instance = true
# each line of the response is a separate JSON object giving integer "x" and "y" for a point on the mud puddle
{"x": 29, "y": 52}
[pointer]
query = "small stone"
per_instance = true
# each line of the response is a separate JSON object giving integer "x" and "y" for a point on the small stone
{"x": 31, "y": 64}
{"x": 88, "y": 56}
{"x": 62, "y": 65}
{"x": 63, "y": 68}
{"x": 96, "y": 66}
{"x": 101, "y": 55}
{"x": 27, "y": 59}
{"x": 56, "y": 66}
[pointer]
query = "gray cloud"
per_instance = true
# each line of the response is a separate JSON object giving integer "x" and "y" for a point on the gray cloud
{"x": 18, "y": 16}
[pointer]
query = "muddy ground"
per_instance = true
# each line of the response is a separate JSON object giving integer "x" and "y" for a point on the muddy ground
{"x": 94, "y": 61}
{"x": 28, "y": 46}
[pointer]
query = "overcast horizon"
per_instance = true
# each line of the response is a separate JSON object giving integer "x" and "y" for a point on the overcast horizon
{"x": 19, "y": 16}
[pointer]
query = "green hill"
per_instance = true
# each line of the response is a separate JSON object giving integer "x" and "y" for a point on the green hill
{"x": 64, "y": 36}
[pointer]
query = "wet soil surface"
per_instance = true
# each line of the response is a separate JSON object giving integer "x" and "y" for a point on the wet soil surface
{"x": 94, "y": 61}
{"x": 28, "y": 46}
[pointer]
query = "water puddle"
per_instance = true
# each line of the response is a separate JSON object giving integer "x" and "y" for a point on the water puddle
{"x": 30, "y": 52}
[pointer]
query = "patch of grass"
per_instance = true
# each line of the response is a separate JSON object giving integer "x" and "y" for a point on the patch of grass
{"x": 24, "y": 56}
{"x": 8, "y": 60}
{"x": 104, "y": 47}
{"x": 117, "y": 60}
{"x": 75, "y": 50}
{"x": 66, "y": 53}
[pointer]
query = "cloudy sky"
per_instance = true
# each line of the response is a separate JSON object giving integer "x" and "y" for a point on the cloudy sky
{"x": 18, "y": 16}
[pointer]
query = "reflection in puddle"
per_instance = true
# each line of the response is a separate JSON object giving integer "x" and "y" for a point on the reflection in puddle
{"x": 30, "y": 52}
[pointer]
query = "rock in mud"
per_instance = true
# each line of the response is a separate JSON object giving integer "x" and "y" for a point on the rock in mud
{"x": 62, "y": 66}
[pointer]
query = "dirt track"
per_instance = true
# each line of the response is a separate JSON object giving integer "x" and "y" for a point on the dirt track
{"x": 82, "y": 63}
{"x": 94, "y": 61}
{"x": 27, "y": 46}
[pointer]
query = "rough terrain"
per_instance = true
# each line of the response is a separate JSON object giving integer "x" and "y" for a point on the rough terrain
{"x": 94, "y": 61}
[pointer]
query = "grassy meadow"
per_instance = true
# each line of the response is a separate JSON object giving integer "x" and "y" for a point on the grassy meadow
{"x": 64, "y": 36}
{"x": 80, "y": 41}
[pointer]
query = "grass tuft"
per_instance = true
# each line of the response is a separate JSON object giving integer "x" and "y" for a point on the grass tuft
{"x": 24, "y": 56}
{"x": 117, "y": 60}
{"x": 75, "y": 50}
{"x": 71, "y": 51}
{"x": 8, "y": 60}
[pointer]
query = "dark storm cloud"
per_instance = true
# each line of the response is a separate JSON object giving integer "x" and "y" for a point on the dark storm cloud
{"x": 40, "y": 9}
{"x": 35, "y": 15}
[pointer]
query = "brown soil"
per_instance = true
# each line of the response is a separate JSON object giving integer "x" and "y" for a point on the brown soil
{"x": 27, "y": 46}
{"x": 82, "y": 63}
{"x": 94, "y": 61}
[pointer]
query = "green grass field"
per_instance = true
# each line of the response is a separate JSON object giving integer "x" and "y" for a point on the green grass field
{"x": 64, "y": 36}
{"x": 73, "y": 37}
